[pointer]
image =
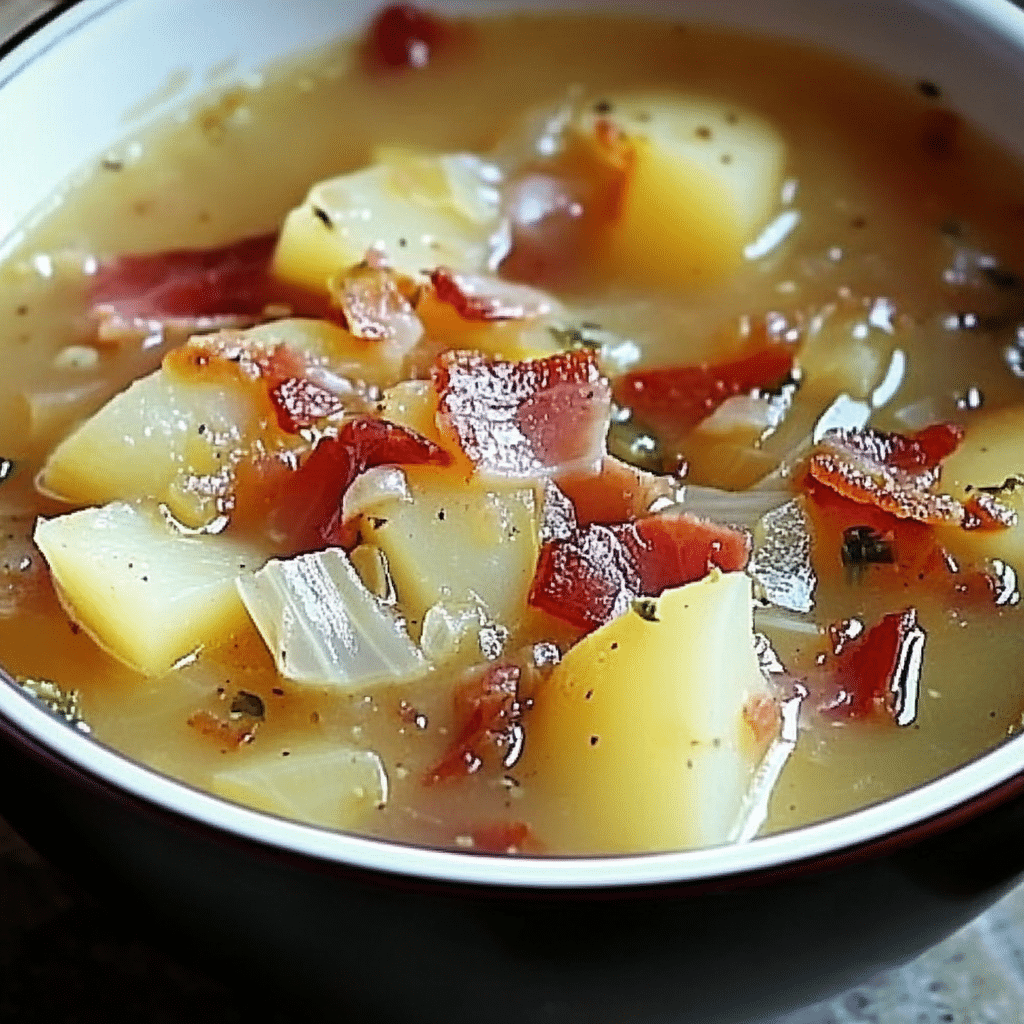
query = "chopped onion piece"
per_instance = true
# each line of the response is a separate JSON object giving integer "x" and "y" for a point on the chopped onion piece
{"x": 370, "y": 489}
{"x": 453, "y": 632}
{"x": 323, "y": 626}
{"x": 737, "y": 508}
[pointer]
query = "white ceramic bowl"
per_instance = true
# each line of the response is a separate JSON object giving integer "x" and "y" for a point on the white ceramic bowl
{"x": 66, "y": 93}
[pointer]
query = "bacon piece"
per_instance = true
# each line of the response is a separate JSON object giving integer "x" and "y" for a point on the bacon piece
{"x": 299, "y": 403}
{"x": 307, "y": 505}
{"x": 403, "y": 36}
{"x": 490, "y": 718}
{"x": 983, "y": 511}
{"x": 616, "y": 493}
{"x": 525, "y": 419}
{"x": 231, "y": 734}
{"x": 481, "y": 299}
{"x": 197, "y": 289}
{"x": 378, "y": 306}
{"x": 594, "y": 575}
{"x": 896, "y": 473}
{"x": 916, "y": 552}
{"x": 502, "y": 837}
{"x": 675, "y": 399}
{"x": 877, "y": 670}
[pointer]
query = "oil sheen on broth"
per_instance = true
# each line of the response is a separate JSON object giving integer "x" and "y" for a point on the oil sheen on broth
{"x": 875, "y": 288}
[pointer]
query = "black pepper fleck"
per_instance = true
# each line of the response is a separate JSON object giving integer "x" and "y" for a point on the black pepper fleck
{"x": 929, "y": 89}
{"x": 323, "y": 216}
{"x": 593, "y": 741}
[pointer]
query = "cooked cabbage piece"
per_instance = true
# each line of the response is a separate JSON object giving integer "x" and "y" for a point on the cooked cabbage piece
{"x": 322, "y": 783}
{"x": 419, "y": 211}
{"x": 640, "y": 739}
{"x": 323, "y": 626}
{"x": 701, "y": 179}
{"x": 145, "y": 592}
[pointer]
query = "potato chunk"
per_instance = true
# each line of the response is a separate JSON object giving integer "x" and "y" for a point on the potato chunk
{"x": 638, "y": 740}
{"x": 701, "y": 180}
{"x": 458, "y": 542}
{"x": 322, "y": 783}
{"x": 991, "y": 454}
{"x": 180, "y": 432}
{"x": 146, "y": 593}
{"x": 146, "y": 437}
{"x": 421, "y": 211}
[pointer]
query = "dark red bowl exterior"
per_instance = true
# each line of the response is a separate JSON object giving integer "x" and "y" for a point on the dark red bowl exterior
{"x": 385, "y": 948}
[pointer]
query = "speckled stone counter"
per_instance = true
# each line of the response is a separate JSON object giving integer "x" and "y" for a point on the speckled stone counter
{"x": 66, "y": 960}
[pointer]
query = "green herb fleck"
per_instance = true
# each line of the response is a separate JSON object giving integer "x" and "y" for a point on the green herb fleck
{"x": 646, "y": 608}
{"x": 65, "y": 704}
{"x": 248, "y": 705}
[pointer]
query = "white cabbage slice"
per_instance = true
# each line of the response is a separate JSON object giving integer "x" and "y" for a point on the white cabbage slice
{"x": 323, "y": 626}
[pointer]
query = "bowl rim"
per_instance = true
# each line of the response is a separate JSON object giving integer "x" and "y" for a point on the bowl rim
{"x": 947, "y": 800}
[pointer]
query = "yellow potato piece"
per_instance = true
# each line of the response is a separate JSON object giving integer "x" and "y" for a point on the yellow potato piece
{"x": 420, "y": 211}
{"x": 146, "y": 593}
{"x": 322, "y": 783}
{"x": 458, "y": 542}
{"x": 702, "y": 180}
{"x": 638, "y": 741}
{"x": 991, "y": 453}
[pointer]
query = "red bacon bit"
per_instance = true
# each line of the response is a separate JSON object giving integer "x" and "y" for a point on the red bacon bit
{"x": 502, "y": 837}
{"x": 986, "y": 512}
{"x": 594, "y": 575}
{"x": 763, "y": 718}
{"x": 559, "y": 211}
{"x": 480, "y": 299}
{"x": 678, "y": 398}
{"x": 616, "y": 493}
{"x": 199, "y": 288}
{"x": 525, "y": 419}
{"x": 378, "y": 306}
{"x": 866, "y": 666}
{"x": 489, "y": 714}
{"x": 403, "y": 36}
{"x": 231, "y": 734}
{"x": 299, "y": 403}
{"x": 893, "y": 472}
{"x": 308, "y": 506}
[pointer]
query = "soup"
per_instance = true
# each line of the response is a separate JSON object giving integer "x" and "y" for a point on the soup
{"x": 470, "y": 437}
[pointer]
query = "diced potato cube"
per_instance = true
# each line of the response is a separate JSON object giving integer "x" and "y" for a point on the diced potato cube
{"x": 459, "y": 542}
{"x": 702, "y": 179}
{"x": 323, "y": 783}
{"x": 991, "y": 453}
{"x": 146, "y": 593}
{"x": 638, "y": 740}
{"x": 145, "y": 437}
{"x": 421, "y": 211}
{"x": 178, "y": 433}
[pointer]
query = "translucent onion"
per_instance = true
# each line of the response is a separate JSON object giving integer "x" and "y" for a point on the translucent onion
{"x": 323, "y": 626}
